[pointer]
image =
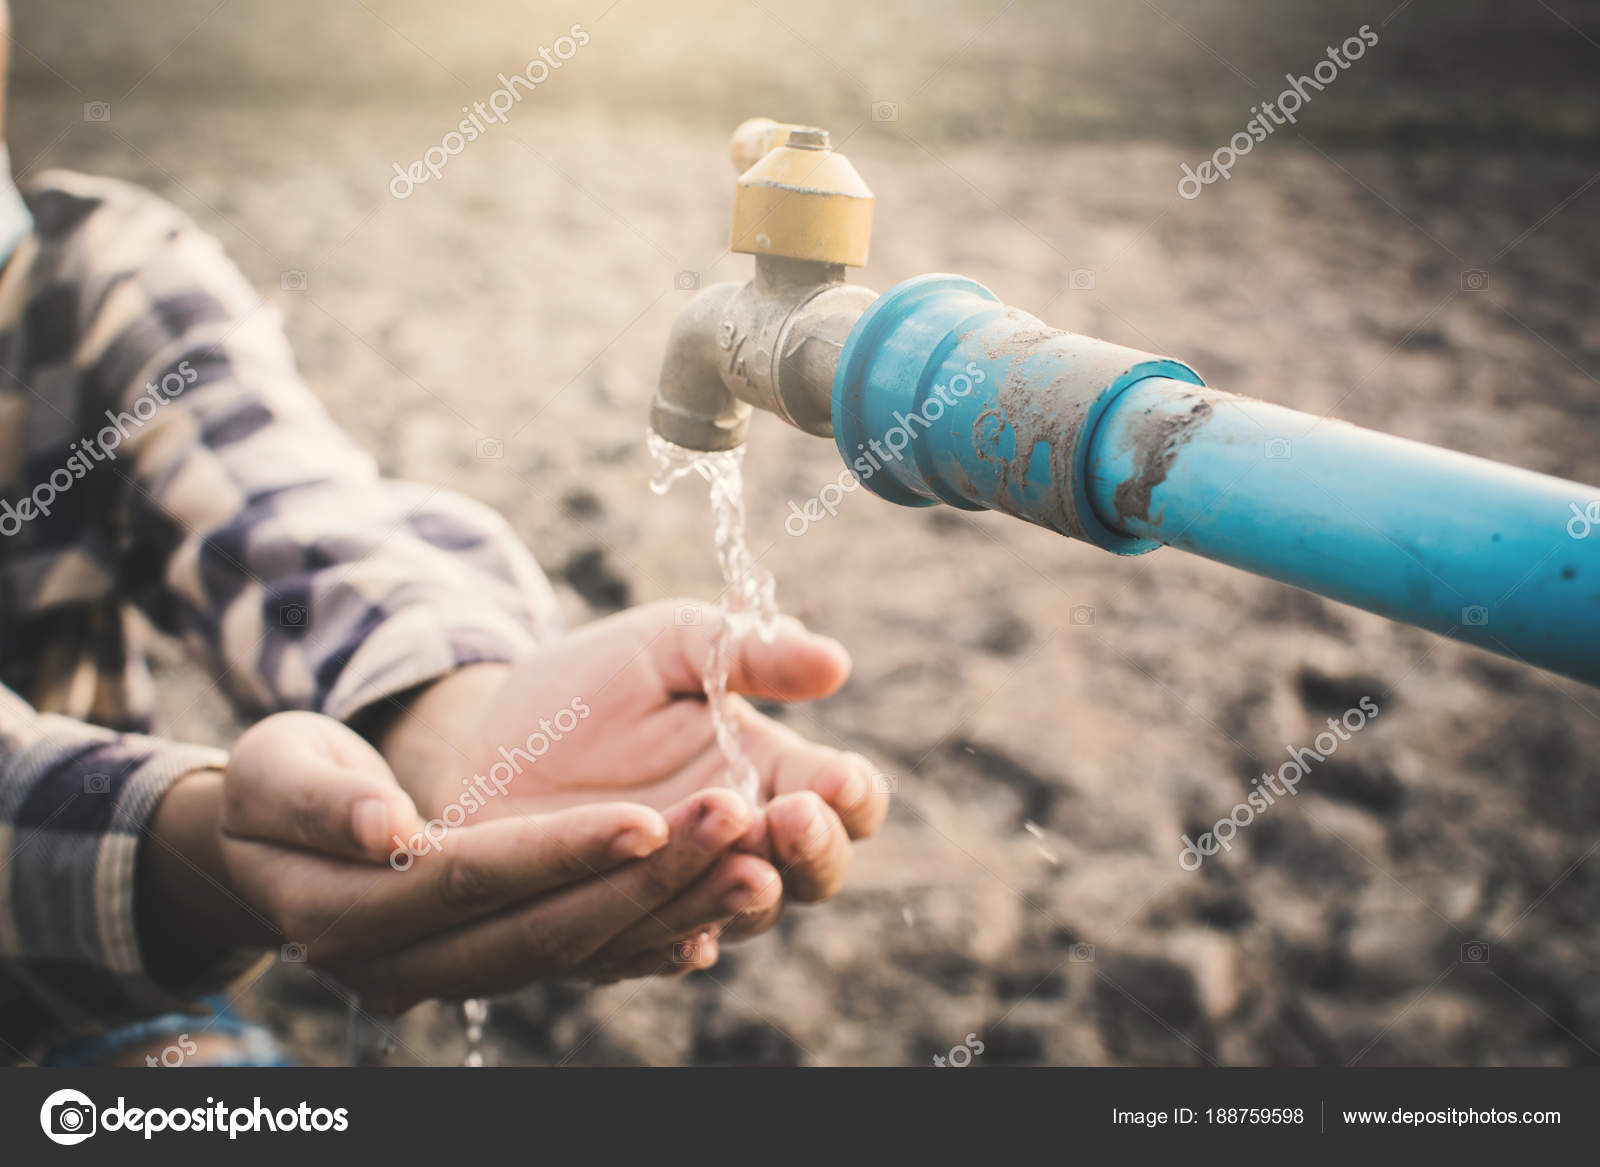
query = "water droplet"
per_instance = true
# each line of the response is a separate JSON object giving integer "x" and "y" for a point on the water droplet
{"x": 474, "y": 1016}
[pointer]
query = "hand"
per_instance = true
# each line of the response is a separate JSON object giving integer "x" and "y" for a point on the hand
{"x": 291, "y": 845}
{"x": 617, "y": 710}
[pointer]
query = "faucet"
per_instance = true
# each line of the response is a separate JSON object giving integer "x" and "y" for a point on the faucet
{"x": 935, "y": 392}
{"x": 773, "y": 343}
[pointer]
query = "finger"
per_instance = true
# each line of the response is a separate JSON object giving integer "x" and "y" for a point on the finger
{"x": 789, "y": 763}
{"x": 795, "y": 665}
{"x": 809, "y": 846}
{"x": 305, "y": 781}
{"x": 736, "y": 884}
{"x": 752, "y": 922}
{"x": 478, "y": 870}
{"x": 679, "y": 959}
{"x": 557, "y": 934}
{"x": 337, "y": 908}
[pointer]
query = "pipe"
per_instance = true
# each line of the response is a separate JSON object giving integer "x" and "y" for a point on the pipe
{"x": 942, "y": 394}
{"x": 1463, "y": 546}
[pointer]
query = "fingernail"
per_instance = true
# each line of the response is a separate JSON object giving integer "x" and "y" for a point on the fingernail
{"x": 853, "y": 790}
{"x": 369, "y": 823}
{"x": 716, "y": 828}
{"x": 707, "y": 950}
{"x": 635, "y": 843}
{"x": 735, "y": 901}
{"x": 814, "y": 838}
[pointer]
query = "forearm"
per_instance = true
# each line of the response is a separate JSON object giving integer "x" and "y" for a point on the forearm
{"x": 251, "y": 525}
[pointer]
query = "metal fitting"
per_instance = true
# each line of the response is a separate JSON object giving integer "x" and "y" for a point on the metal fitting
{"x": 773, "y": 343}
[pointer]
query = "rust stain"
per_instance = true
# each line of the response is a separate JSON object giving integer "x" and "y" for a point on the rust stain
{"x": 1156, "y": 442}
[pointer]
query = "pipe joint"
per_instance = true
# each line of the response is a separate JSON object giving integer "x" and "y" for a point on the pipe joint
{"x": 943, "y": 394}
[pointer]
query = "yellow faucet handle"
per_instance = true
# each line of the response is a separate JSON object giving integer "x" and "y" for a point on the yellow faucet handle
{"x": 755, "y": 138}
{"x": 798, "y": 199}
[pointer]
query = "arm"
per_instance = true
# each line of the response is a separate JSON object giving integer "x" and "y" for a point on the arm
{"x": 76, "y": 804}
{"x": 244, "y": 520}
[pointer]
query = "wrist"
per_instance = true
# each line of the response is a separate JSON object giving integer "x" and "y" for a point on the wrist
{"x": 189, "y": 914}
{"x": 431, "y": 742}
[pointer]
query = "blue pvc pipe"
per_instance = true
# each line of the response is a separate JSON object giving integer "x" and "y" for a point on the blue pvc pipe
{"x": 1466, "y": 547}
{"x": 943, "y": 394}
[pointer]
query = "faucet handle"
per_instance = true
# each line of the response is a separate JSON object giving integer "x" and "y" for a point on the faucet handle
{"x": 798, "y": 198}
{"x": 755, "y": 138}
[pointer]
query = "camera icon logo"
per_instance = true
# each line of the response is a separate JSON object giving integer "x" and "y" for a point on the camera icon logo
{"x": 686, "y": 952}
{"x": 1081, "y": 954}
{"x": 292, "y": 615}
{"x": 68, "y": 1117}
{"x": 97, "y": 783}
{"x": 886, "y": 111}
{"x": 97, "y": 111}
{"x": 1475, "y": 952}
{"x": 1277, "y": 449}
{"x": 491, "y": 449}
{"x": 687, "y": 615}
{"x": 293, "y": 953}
{"x": 686, "y": 281}
{"x": 1475, "y": 616}
{"x": 294, "y": 280}
{"x": 1081, "y": 280}
{"x": 1474, "y": 280}
{"x": 1081, "y": 615}
{"x": 885, "y": 783}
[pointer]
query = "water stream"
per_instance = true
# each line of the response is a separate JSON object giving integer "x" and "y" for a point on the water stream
{"x": 749, "y": 601}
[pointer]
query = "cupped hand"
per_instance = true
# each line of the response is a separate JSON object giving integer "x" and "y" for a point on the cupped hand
{"x": 617, "y": 711}
{"x": 600, "y": 891}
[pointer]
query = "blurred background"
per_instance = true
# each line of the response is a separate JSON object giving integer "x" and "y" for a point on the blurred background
{"x": 1431, "y": 894}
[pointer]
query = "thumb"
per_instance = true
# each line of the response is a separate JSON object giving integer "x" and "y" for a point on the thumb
{"x": 304, "y": 780}
{"x": 794, "y": 665}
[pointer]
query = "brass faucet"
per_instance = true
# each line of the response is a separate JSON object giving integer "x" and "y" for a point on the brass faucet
{"x": 805, "y": 214}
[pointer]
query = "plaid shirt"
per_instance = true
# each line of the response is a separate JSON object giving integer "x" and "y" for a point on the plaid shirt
{"x": 159, "y": 453}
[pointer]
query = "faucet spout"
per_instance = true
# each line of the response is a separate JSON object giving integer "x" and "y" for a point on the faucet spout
{"x": 694, "y": 406}
{"x": 773, "y": 344}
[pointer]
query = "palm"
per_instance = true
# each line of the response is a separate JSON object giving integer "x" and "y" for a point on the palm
{"x": 616, "y": 711}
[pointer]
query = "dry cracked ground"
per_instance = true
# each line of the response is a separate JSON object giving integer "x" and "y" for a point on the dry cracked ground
{"x": 525, "y": 298}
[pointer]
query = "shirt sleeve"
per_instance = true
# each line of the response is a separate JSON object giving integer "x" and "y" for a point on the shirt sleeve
{"x": 253, "y": 526}
{"x": 75, "y": 801}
